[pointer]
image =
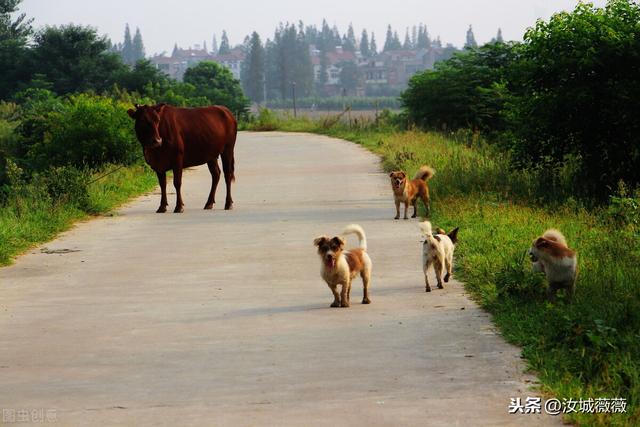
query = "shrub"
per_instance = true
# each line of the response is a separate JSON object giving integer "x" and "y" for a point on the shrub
{"x": 66, "y": 184}
{"x": 81, "y": 131}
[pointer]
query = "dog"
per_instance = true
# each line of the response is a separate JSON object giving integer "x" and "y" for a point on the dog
{"x": 407, "y": 191}
{"x": 551, "y": 255}
{"x": 437, "y": 251}
{"x": 340, "y": 266}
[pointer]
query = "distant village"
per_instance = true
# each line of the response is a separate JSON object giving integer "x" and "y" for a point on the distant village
{"x": 371, "y": 72}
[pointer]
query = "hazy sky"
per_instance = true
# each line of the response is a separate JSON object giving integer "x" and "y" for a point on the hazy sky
{"x": 189, "y": 22}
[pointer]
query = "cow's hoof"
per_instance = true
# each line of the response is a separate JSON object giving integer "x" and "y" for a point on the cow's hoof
{"x": 228, "y": 207}
{"x": 335, "y": 304}
{"x": 178, "y": 209}
{"x": 161, "y": 209}
{"x": 397, "y": 217}
{"x": 366, "y": 301}
{"x": 427, "y": 289}
{"x": 208, "y": 207}
{"x": 440, "y": 287}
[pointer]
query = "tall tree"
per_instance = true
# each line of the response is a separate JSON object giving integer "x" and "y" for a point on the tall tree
{"x": 225, "y": 48}
{"x": 407, "y": 41}
{"x": 364, "y": 44}
{"x": 373, "y": 50}
{"x": 471, "y": 39}
{"x": 127, "y": 47}
{"x": 499, "y": 37}
{"x": 350, "y": 41}
{"x": 424, "y": 42}
{"x": 214, "y": 45}
{"x": 253, "y": 72}
{"x": 13, "y": 47}
{"x": 414, "y": 36}
{"x": 137, "y": 46}
{"x": 74, "y": 59}
{"x": 392, "y": 41}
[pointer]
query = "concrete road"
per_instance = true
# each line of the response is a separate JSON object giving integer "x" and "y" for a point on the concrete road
{"x": 214, "y": 318}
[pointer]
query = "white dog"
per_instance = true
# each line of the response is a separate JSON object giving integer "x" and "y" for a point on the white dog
{"x": 437, "y": 251}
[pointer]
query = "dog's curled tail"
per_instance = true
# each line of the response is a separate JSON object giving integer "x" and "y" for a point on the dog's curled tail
{"x": 426, "y": 228}
{"x": 556, "y": 236}
{"x": 358, "y": 231}
{"x": 425, "y": 173}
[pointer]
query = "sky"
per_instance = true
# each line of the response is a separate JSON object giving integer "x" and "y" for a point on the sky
{"x": 189, "y": 22}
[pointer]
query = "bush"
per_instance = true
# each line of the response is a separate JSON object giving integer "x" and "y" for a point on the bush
{"x": 80, "y": 131}
{"x": 576, "y": 90}
{"x": 66, "y": 184}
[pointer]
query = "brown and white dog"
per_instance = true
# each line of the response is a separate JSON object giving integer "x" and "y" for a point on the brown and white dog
{"x": 340, "y": 266}
{"x": 551, "y": 255}
{"x": 437, "y": 251}
{"x": 407, "y": 191}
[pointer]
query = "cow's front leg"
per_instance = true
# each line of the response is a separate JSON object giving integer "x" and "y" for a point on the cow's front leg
{"x": 177, "y": 183}
{"x": 162, "y": 180}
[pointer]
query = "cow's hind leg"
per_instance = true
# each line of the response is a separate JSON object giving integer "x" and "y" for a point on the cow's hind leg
{"x": 228, "y": 165}
{"x": 162, "y": 180}
{"x": 177, "y": 183}
{"x": 215, "y": 178}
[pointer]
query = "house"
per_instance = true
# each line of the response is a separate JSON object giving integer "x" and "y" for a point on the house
{"x": 175, "y": 65}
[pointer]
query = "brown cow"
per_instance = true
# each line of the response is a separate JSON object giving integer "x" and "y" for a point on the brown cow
{"x": 176, "y": 138}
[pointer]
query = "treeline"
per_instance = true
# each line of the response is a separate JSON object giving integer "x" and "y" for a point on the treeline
{"x": 563, "y": 102}
{"x": 272, "y": 66}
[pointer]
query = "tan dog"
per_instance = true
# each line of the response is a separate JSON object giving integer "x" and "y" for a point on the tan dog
{"x": 437, "y": 251}
{"x": 551, "y": 255}
{"x": 340, "y": 267}
{"x": 407, "y": 191}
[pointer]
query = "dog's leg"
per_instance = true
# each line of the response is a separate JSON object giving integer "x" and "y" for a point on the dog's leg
{"x": 427, "y": 205}
{"x": 427, "y": 288}
{"x": 438, "y": 267}
{"x": 366, "y": 276}
{"x": 449, "y": 263}
{"x": 552, "y": 291}
{"x": 345, "y": 293}
{"x": 336, "y": 296}
{"x": 397, "y": 209}
{"x": 415, "y": 208}
{"x": 406, "y": 209}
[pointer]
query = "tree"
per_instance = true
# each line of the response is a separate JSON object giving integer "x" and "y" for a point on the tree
{"x": 349, "y": 76}
{"x": 499, "y": 38}
{"x": 407, "y": 41}
{"x": 137, "y": 47}
{"x": 253, "y": 75}
{"x": 225, "y": 48}
{"x": 392, "y": 42}
{"x": 141, "y": 75}
{"x": 13, "y": 47}
{"x": 216, "y": 83}
{"x": 74, "y": 59}
{"x": 127, "y": 47}
{"x": 373, "y": 50}
{"x": 471, "y": 39}
{"x": 424, "y": 42}
{"x": 364, "y": 44}
{"x": 214, "y": 46}
{"x": 350, "y": 41}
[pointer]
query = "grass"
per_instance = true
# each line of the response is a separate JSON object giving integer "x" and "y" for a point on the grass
{"x": 587, "y": 349}
{"x": 30, "y": 216}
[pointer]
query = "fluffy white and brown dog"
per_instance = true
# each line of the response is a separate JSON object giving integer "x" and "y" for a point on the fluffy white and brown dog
{"x": 340, "y": 266}
{"x": 407, "y": 191}
{"x": 551, "y": 255}
{"x": 437, "y": 251}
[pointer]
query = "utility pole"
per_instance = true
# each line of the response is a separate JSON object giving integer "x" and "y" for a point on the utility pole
{"x": 293, "y": 91}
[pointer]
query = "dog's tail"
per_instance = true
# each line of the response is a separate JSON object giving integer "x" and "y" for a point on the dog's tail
{"x": 425, "y": 173}
{"x": 556, "y": 236}
{"x": 358, "y": 231}
{"x": 426, "y": 228}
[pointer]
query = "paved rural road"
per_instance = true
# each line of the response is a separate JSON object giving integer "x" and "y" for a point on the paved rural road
{"x": 218, "y": 318}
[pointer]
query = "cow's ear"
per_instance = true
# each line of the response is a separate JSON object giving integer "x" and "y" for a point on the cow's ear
{"x": 160, "y": 108}
{"x": 132, "y": 113}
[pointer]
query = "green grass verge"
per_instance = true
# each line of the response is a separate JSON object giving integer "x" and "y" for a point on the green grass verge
{"x": 587, "y": 349}
{"x": 30, "y": 216}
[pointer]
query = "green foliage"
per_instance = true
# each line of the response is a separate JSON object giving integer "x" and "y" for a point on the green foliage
{"x": 82, "y": 130}
{"x": 67, "y": 184}
{"x": 576, "y": 88}
{"x": 466, "y": 91}
{"x": 216, "y": 84}
{"x": 74, "y": 59}
{"x": 253, "y": 73}
{"x": 14, "y": 32}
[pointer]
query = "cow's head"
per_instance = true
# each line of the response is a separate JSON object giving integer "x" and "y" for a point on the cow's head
{"x": 147, "y": 124}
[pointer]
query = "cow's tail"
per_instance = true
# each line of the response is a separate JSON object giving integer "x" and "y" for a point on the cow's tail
{"x": 228, "y": 154}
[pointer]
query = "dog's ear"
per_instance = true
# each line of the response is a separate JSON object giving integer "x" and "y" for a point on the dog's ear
{"x": 402, "y": 174}
{"x": 338, "y": 241}
{"x": 437, "y": 238}
{"x": 391, "y": 174}
{"x": 319, "y": 240}
{"x": 454, "y": 235}
{"x": 541, "y": 242}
